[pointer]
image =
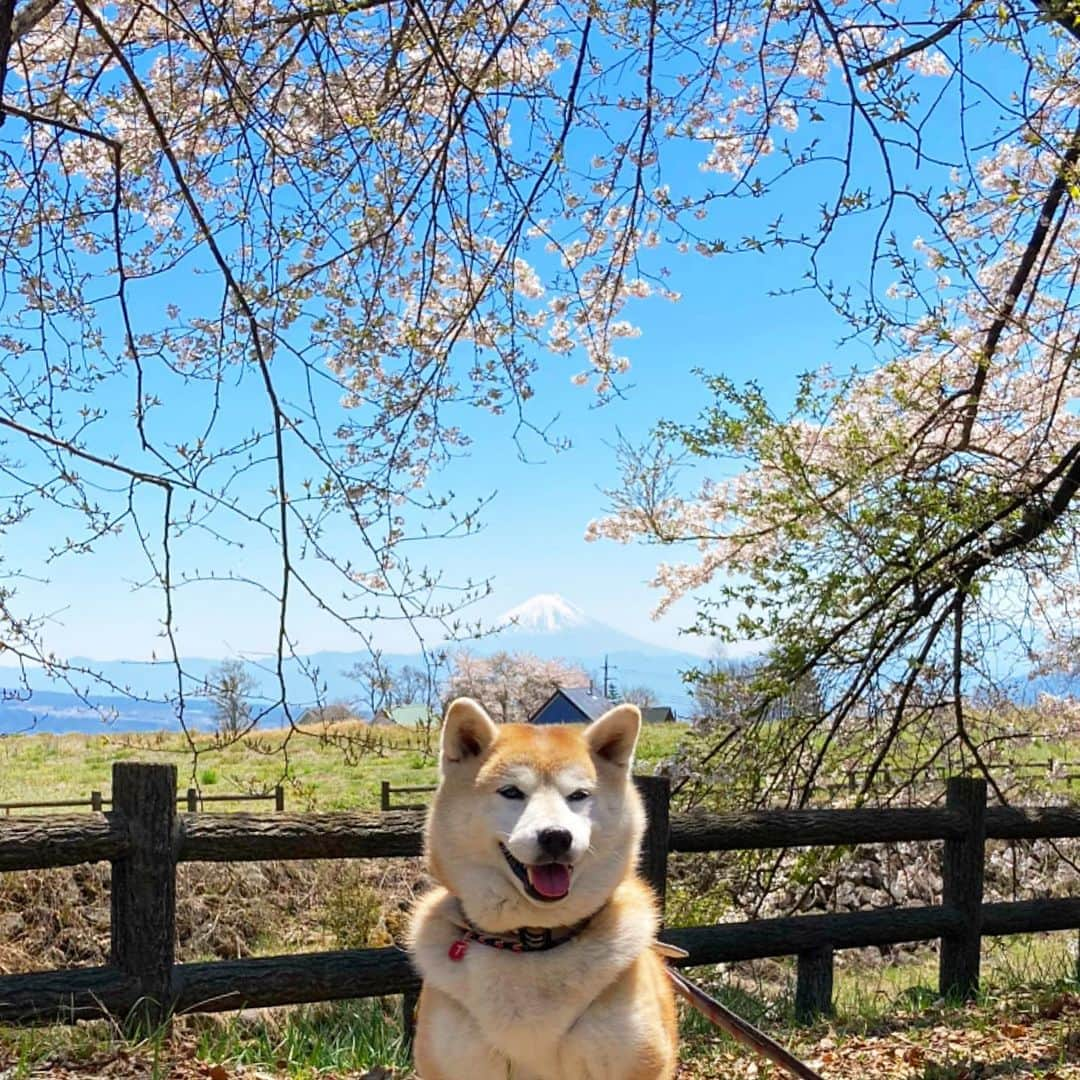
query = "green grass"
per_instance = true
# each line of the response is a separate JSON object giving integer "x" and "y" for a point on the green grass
{"x": 303, "y": 1041}
{"x": 27, "y": 1052}
{"x": 868, "y": 994}
{"x": 883, "y": 1005}
{"x": 342, "y": 1036}
{"x": 341, "y": 771}
{"x": 337, "y": 771}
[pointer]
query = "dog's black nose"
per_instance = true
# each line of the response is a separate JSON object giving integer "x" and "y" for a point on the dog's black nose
{"x": 555, "y": 842}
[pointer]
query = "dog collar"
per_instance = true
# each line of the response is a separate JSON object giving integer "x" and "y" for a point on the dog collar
{"x": 524, "y": 939}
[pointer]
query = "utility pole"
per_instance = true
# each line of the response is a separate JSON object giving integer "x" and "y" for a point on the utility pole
{"x": 609, "y": 690}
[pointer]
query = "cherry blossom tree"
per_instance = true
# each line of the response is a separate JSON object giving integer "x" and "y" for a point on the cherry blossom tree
{"x": 906, "y": 532}
{"x": 510, "y": 685}
{"x": 644, "y": 697}
{"x": 263, "y": 260}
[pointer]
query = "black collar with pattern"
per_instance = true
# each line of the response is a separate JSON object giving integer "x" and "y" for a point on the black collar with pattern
{"x": 524, "y": 939}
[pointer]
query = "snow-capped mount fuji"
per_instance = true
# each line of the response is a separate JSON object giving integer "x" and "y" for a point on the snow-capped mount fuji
{"x": 550, "y": 626}
{"x": 545, "y": 613}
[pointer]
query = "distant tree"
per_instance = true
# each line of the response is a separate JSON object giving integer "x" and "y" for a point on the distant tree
{"x": 415, "y": 685}
{"x": 641, "y": 696}
{"x": 376, "y": 682}
{"x": 383, "y": 687}
{"x": 511, "y": 686}
{"x": 725, "y": 695}
{"x": 229, "y": 686}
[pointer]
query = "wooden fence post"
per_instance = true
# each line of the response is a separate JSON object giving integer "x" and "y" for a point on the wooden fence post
{"x": 655, "y": 793}
{"x": 962, "y": 868}
{"x": 384, "y": 796}
{"x": 95, "y": 801}
{"x": 814, "y": 984}
{"x": 192, "y": 800}
{"x": 279, "y": 798}
{"x": 410, "y": 1001}
{"x": 143, "y": 924}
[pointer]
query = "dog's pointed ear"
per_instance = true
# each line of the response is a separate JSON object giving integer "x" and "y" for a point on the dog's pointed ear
{"x": 613, "y": 737}
{"x": 467, "y": 731}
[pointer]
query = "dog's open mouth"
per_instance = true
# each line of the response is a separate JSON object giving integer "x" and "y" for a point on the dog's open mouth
{"x": 544, "y": 881}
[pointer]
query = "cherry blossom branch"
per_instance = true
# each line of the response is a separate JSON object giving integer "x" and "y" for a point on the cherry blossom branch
{"x": 1064, "y": 178}
{"x": 958, "y": 694}
{"x": 63, "y": 125}
{"x": 899, "y": 710}
{"x": 242, "y": 302}
{"x": 295, "y": 18}
{"x": 77, "y": 451}
{"x": 1037, "y": 520}
{"x": 924, "y": 43}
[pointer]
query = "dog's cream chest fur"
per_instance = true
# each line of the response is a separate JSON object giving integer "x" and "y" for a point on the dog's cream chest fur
{"x": 509, "y": 992}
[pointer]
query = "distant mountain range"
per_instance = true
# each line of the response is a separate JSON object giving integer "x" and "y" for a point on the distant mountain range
{"x": 546, "y": 625}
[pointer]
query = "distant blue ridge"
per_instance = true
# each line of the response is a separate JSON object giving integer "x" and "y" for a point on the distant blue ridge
{"x": 51, "y": 712}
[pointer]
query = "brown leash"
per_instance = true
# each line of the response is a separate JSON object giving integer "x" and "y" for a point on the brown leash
{"x": 739, "y": 1029}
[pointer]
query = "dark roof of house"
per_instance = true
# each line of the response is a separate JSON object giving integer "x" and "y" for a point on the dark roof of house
{"x": 657, "y": 714}
{"x": 591, "y": 705}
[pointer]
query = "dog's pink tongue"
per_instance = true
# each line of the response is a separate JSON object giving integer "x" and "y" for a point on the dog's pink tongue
{"x": 551, "y": 880}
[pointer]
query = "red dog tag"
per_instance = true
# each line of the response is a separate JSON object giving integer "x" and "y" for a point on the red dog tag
{"x": 457, "y": 950}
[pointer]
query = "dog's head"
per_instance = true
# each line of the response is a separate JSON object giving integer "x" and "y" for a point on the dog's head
{"x": 534, "y": 825}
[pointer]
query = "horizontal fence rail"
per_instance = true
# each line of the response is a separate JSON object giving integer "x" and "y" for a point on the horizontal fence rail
{"x": 33, "y": 843}
{"x": 193, "y": 799}
{"x": 254, "y": 837}
{"x": 144, "y": 838}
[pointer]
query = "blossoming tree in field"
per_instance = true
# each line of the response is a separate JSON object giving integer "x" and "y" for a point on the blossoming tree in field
{"x": 510, "y": 685}
{"x": 261, "y": 263}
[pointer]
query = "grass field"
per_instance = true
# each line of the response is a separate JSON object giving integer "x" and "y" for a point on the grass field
{"x": 339, "y": 768}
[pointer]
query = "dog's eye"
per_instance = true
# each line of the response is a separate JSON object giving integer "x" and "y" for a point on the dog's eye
{"x": 578, "y": 796}
{"x": 511, "y": 792}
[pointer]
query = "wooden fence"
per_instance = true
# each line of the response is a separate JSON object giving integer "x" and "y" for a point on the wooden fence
{"x": 387, "y": 792}
{"x": 144, "y": 838}
{"x": 192, "y": 799}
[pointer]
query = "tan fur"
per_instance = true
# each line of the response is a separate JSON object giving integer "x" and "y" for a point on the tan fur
{"x": 597, "y": 1008}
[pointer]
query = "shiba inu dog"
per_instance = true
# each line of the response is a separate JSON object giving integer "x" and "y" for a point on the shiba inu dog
{"x": 536, "y": 948}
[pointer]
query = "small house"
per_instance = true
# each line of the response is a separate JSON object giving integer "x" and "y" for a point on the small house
{"x": 571, "y": 705}
{"x": 658, "y": 714}
{"x": 408, "y": 716}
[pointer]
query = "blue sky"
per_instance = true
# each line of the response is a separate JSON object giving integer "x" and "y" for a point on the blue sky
{"x": 532, "y": 539}
{"x": 533, "y": 535}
